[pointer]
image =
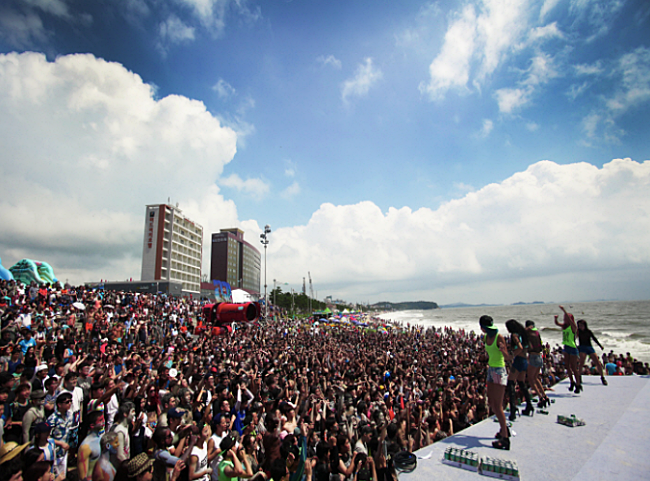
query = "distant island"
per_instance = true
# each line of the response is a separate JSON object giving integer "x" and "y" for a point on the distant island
{"x": 425, "y": 305}
{"x": 405, "y": 306}
{"x": 462, "y": 304}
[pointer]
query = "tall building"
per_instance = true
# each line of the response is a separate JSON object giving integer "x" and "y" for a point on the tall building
{"x": 173, "y": 248}
{"x": 235, "y": 261}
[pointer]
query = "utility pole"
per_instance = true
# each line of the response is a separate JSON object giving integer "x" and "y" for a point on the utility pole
{"x": 311, "y": 292}
{"x": 264, "y": 239}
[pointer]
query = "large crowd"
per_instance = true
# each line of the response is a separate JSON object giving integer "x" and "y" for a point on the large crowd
{"x": 103, "y": 386}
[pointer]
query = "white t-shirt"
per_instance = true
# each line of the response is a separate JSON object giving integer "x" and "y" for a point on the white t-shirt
{"x": 26, "y": 320}
{"x": 201, "y": 462}
{"x": 77, "y": 404}
{"x": 125, "y": 453}
{"x": 111, "y": 409}
{"x": 215, "y": 462}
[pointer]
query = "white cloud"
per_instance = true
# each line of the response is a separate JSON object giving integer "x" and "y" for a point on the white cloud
{"x": 632, "y": 72}
{"x": 576, "y": 90}
{"x": 463, "y": 187}
{"x": 329, "y": 60}
{"x": 21, "y": 30}
{"x": 547, "y": 7}
{"x": 254, "y": 187}
{"x": 290, "y": 168}
{"x": 365, "y": 77}
{"x": 546, "y": 32}
{"x": 500, "y": 26}
{"x": 236, "y": 120}
{"x": 422, "y": 33}
{"x": 541, "y": 70}
{"x": 520, "y": 229}
{"x": 174, "y": 31}
{"x": 58, "y": 8}
{"x": 451, "y": 67}
{"x": 589, "y": 69}
{"x": 590, "y": 124}
{"x": 532, "y": 126}
{"x": 92, "y": 146}
{"x": 212, "y": 13}
{"x": 224, "y": 89}
{"x": 634, "y": 68}
{"x": 511, "y": 100}
{"x": 291, "y": 191}
{"x": 21, "y": 22}
{"x": 245, "y": 105}
{"x": 478, "y": 39}
{"x": 597, "y": 15}
{"x": 487, "y": 127}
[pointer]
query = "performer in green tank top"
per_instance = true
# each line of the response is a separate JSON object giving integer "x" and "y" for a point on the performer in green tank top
{"x": 497, "y": 377}
{"x": 569, "y": 330}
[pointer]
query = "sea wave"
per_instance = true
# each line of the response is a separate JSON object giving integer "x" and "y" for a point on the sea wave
{"x": 617, "y": 334}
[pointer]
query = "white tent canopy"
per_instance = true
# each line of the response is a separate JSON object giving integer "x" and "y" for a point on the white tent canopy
{"x": 240, "y": 295}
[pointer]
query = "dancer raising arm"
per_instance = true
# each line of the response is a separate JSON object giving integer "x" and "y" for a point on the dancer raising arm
{"x": 569, "y": 330}
{"x": 585, "y": 336}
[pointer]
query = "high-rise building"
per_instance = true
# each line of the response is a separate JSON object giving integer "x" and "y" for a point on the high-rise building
{"x": 235, "y": 261}
{"x": 173, "y": 247}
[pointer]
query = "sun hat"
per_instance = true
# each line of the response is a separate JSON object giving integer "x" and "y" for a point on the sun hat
{"x": 40, "y": 367}
{"x": 10, "y": 450}
{"x": 138, "y": 465}
{"x": 38, "y": 394}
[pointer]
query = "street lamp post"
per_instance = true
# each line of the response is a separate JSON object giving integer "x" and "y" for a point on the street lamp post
{"x": 264, "y": 239}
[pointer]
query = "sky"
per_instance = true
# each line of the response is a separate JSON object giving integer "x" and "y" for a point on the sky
{"x": 491, "y": 151}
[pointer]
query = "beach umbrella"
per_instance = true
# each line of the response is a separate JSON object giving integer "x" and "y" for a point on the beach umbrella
{"x": 79, "y": 305}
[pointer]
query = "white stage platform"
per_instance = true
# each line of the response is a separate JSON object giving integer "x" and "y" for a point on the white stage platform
{"x": 613, "y": 445}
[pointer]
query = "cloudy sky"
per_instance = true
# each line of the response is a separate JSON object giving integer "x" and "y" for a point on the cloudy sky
{"x": 479, "y": 151}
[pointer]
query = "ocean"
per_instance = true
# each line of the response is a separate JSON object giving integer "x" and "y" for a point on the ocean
{"x": 620, "y": 326}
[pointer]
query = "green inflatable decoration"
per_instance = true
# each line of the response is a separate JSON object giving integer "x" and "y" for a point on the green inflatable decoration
{"x": 27, "y": 270}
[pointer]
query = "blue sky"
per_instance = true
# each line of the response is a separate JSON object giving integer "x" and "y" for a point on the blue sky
{"x": 445, "y": 151}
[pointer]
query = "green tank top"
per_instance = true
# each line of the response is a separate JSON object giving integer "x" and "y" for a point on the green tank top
{"x": 568, "y": 337}
{"x": 496, "y": 356}
{"x": 222, "y": 467}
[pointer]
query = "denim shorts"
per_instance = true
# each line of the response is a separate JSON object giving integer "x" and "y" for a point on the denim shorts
{"x": 587, "y": 349}
{"x": 497, "y": 375}
{"x": 535, "y": 360}
{"x": 571, "y": 350}
{"x": 520, "y": 364}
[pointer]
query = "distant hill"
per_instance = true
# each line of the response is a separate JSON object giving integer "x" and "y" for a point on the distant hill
{"x": 527, "y": 303}
{"x": 462, "y": 304}
{"x": 405, "y": 306}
